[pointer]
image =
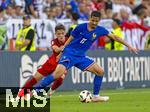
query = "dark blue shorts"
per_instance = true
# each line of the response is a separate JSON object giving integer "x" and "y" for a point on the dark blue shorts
{"x": 81, "y": 62}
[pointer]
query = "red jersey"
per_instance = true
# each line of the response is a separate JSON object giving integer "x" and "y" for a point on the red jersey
{"x": 50, "y": 65}
{"x": 57, "y": 43}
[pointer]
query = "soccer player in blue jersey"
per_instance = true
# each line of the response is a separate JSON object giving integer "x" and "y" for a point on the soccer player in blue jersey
{"x": 96, "y": 83}
{"x": 73, "y": 52}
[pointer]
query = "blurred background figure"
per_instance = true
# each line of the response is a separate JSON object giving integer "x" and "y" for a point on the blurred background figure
{"x": 19, "y": 11}
{"x": 112, "y": 45}
{"x": 26, "y": 36}
{"x": 47, "y": 13}
{"x": 74, "y": 20}
{"x": 30, "y": 9}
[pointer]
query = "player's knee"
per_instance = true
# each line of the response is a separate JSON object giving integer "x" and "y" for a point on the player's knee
{"x": 63, "y": 76}
{"x": 38, "y": 76}
{"x": 58, "y": 73}
{"x": 101, "y": 72}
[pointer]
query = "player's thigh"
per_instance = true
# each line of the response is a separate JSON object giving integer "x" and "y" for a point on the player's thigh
{"x": 47, "y": 68}
{"x": 95, "y": 69}
{"x": 59, "y": 71}
{"x": 38, "y": 76}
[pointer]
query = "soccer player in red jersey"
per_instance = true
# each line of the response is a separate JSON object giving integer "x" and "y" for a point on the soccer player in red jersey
{"x": 49, "y": 66}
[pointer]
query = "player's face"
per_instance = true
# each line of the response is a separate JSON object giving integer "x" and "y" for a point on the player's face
{"x": 94, "y": 21}
{"x": 60, "y": 34}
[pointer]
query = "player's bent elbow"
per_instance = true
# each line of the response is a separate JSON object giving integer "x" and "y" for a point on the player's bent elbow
{"x": 102, "y": 72}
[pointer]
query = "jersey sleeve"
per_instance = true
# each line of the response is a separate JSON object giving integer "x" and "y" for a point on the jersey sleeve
{"x": 104, "y": 31}
{"x": 54, "y": 42}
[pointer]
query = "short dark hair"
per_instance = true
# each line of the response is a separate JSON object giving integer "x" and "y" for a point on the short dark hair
{"x": 96, "y": 14}
{"x": 59, "y": 27}
{"x": 75, "y": 16}
{"x": 1, "y": 9}
{"x": 117, "y": 21}
{"x": 25, "y": 17}
{"x": 141, "y": 12}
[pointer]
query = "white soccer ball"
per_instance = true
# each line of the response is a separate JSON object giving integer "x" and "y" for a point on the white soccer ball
{"x": 85, "y": 96}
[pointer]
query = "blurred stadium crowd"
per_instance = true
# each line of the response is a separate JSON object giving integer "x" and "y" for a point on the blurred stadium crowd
{"x": 125, "y": 10}
{"x": 132, "y": 10}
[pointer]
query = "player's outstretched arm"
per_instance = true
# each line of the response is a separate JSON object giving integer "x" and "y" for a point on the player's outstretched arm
{"x": 56, "y": 48}
{"x": 116, "y": 38}
{"x": 62, "y": 48}
{"x": 68, "y": 41}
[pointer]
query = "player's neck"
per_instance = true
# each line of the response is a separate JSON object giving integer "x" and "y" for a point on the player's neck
{"x": 90, "y": 28}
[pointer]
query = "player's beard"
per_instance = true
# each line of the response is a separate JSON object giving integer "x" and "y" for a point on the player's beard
{"x": 93, "y": 26}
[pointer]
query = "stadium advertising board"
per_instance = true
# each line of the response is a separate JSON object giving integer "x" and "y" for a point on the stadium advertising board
{"x": 122, "y": 69}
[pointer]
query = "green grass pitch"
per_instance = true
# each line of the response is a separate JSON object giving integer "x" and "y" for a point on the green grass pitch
{"x": 125, "y": 100}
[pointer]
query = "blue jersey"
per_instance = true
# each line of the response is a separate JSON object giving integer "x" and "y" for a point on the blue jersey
{"x": 83, "y": 39}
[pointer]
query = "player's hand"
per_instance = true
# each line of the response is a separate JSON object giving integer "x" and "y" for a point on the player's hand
{"x": 133, "y": 50}
{"x": 62, "y": 48}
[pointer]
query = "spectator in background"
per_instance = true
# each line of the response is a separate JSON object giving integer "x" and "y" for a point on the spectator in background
{"x": 39, "y": 8}
{"x": 19, "y": 11}
{"x": 68, "y": 10}
{"x": 59, "y": 13}
{"x": 143, "y": 5}
{"x": 26, "y": 36}
{"x": 102, "y": 11}
{"x": 108, "y": 4}
{"x": 46, "y": 13}
{"x": 142, "y": 14}
{"x": 3, "y": 4}
{"x": 113, "y": 45}
{"x": 124, "y": 15}
{"x": 3, "y": 30}
{"x": 121, "y": 4}
{"x": 99, "y": 4}
{"x": 74, "y": 19}
{"x": 10, "y": 12}
{"x": 83, "y": 14}
{"x": 90, "y": 6}
{"x": 29, "y": 8}
{"x": 47, "y": 3}
{"x": 3, "y": 39}
{"x": 125, "y": 5}
{"x": 74, "y": 4}
{"x": 109, "y": 13}
{"x": 2, "y": 13}
{"x": 52, "y": 13}
{"x": 10, "y": 2}
{"x": 147, "y": 43}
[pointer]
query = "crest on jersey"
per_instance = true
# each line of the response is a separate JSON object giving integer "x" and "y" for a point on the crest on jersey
{"x": 94, "y": 36}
